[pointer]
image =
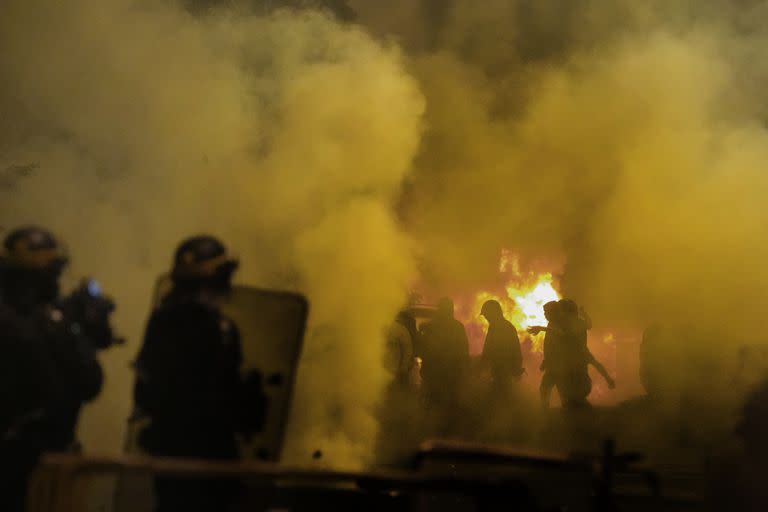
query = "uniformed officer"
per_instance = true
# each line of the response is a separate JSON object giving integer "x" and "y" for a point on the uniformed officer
{"x": 189, "y": 382}
{"x": 48, "y": 367}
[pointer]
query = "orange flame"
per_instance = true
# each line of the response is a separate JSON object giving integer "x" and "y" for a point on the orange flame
{"x": 522, "y": 298}
{"x": 525, "y": 294}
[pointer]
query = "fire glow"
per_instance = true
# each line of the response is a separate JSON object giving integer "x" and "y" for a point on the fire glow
{"x": 522, "y": 292}
{"x": 522, "y": 298}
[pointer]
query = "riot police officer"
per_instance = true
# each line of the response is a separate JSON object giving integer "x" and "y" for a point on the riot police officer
{"x": 188, "y": 376}
{"x": 48, "y": 367}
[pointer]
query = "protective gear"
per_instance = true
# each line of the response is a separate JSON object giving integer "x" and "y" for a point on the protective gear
{"x": 31, "y": 265}
{"x": 48, "y": 367}
{"x": 189, "y": 379}
{"x": 188, "y": 384}
{"x": 88, "y": 312}
{"x": 46, "y": 375}
{"x": 202, "y": 261}
{"x": 272, "y": 326}
{"x": 35, "y": 248}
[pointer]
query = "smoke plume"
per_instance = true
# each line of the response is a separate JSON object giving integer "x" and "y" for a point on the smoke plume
{"x": 631, "y": 139}
{"x": 287, "y": 134}
{"x": 625, "y": 139}
{"x": 628, "y": 139}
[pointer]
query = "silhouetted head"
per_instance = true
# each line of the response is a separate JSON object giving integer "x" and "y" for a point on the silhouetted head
{"x": 32, "y": 263}
{"x": 445, "y": 307}
{"x": 202, "y": 263}
{"x": 551, "y": 309}
{"x": 492, "y": 311}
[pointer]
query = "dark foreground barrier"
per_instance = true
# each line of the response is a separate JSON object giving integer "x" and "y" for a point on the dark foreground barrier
{"x": 475, "y": 478}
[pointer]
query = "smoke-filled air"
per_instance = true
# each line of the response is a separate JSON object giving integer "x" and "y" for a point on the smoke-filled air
{"x": 287, "y": 135}
{"x": 619, "y": 146}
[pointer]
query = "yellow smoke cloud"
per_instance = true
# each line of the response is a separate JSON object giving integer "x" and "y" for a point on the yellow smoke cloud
{"x": 627, "y": 139}
{"x": 286, "y": 134}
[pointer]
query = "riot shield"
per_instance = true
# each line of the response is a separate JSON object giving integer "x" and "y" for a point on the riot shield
{"x": 271, "y": 325}
{"x": 272, "y": 328}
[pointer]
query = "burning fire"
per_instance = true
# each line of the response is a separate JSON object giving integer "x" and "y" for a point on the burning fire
{"x": 524, "y": 303}
{"x": 522, "y": 293}
{"x": 522, "y": 297}
{"x": 530, "y": 302}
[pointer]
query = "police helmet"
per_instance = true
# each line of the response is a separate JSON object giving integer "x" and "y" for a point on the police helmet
{"x": 202, "y": 258}
{"x": 34, "y": 248}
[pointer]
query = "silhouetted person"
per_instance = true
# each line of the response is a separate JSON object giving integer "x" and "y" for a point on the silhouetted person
{"x": 188, "y": 376}
{"x": 48, "y": 367}
{"x": 445, "y": 355}
{"x": 400, "y": 405}
{"x": 574, "y": 383}
{"x": 501, "y": 350}
{"x": 552, "y": 363}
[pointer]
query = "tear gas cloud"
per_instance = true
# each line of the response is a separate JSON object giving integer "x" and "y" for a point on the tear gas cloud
{"x": 627, "y": 139}
{"x": 630, "y": 139}
{"x": 287, "y": 135}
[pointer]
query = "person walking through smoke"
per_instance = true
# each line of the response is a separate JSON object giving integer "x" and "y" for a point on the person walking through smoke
{"x": 552, "y": 363}
{"x": 501, "y": 351}
{"x": 398, "y": 433}
{"x": 566, "y": 355}
{"x": 445, "y": 357}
